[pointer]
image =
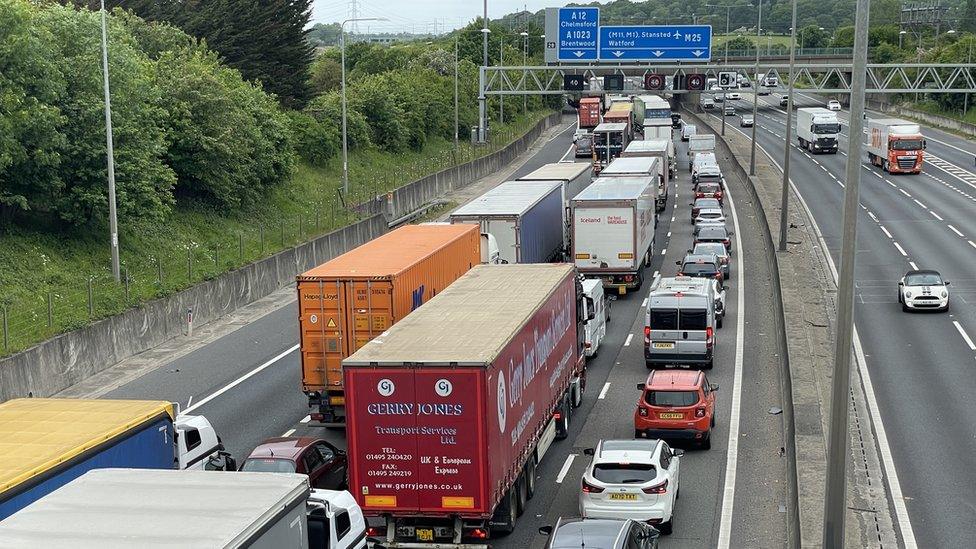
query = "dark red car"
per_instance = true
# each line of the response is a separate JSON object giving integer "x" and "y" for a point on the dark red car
{"x": 325, "y": 465}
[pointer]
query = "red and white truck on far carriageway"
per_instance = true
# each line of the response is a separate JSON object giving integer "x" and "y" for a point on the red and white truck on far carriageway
{"x": 452, "y": 408}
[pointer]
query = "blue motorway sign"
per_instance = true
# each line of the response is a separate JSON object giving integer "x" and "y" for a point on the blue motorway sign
{"x": 578, "y": 34}
{"x": 656, "y": 43}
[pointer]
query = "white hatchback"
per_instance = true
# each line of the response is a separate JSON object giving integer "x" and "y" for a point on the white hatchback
{"x": 833, "y": 105}
{"x": 921, "y": 290}
{"x": 631, "y": 479}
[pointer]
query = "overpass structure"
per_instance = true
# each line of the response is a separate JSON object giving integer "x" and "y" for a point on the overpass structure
{"x": 819, "y": 77}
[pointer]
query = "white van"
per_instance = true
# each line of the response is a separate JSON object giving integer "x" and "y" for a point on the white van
{"x": 688, "y": 130}
{"x": 597, "y": 301}
{"x": 335, "y": 520}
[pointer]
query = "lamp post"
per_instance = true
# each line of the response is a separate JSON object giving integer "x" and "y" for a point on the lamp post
{"x": 728, "y": 11}
{"x": 755, "y": 95}
{"x": 901, "y": 35}
{"x": 501, "y": 63}
{"x": 457, "y": 38}
{"x": 525, "y": 60}
{"x": 342, "y": 54}
{"x": 482, "y": 100}
{"x": 113, "y": 223}
{"x": 785, "y": 198}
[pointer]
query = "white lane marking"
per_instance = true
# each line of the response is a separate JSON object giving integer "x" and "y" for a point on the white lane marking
{"x": 891, "y": 474}
{"x": 874, "y": 217}
{"x": 669, "y": 234}
{"x": 305, "y": 419}
{"x": 672, "y": 219}
{"x": 565, "y": 469}
{"x": 732, "y": 457}
{"x": 914, "y": 266}
{"x": 955, "y": 230}
{"x": 241, "y": 379}
{"x": 653, "y": 276}
{"x": 965, "y": 336}
{"x": 664, "y": 251}
{"x": 924, "y": 207}
{"x": 288, "y": 433}
{"x": 971, "y": 243}
{"x": 885, "y": 231}
{"x": 935, "y": 215}
{"x": 603, "y": 392}
{"x": 572, "y": 147}
{"x": 644, "y": 303}
{"x": 900, "y": 249}
{"x": 905, "y": 193}
{"x": 629, "y": 338}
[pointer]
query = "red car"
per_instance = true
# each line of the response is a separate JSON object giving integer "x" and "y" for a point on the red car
{"x": 676, "y": 405}
{"x": 325, "y": 465}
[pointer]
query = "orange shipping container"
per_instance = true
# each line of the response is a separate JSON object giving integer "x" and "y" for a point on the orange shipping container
{"x": 346, "y": 302}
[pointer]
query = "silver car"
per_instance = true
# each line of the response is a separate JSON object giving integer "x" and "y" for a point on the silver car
{"x": 718, "y": 249}
{"x": 680, "y": 324}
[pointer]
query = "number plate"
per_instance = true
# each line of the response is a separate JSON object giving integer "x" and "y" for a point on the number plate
{"x": 425, "y": 534}
{"x": 665, "y": 345}
{"x": 627, "y": 497}
{"x": 670, "y": 415}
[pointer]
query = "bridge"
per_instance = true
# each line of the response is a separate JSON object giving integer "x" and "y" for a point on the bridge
{"x": 781, "y": 55}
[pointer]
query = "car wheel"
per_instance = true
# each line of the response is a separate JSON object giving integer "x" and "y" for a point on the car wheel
{"x": 709, "y": 364}
{"x": 638, "y": 433}
{"x": 946, "y": 308}
{"x": 712, "y": 422}
{"x": 667, "y": 527}
{"x": 904, "y": 306}
{"x": 720, "y": 322}
{"x": 899, "y": 297}
{"x": 707, "y": 443}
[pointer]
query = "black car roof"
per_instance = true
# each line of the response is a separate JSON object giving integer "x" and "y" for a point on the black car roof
{"x": 594, "y": 533}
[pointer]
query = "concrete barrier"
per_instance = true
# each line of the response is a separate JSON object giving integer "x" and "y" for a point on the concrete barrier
{"x": 928, "y": 118}
{"x": 55, "y": 364}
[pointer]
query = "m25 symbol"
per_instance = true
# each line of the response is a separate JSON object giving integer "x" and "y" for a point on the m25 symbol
{"x": 418, "y": 297}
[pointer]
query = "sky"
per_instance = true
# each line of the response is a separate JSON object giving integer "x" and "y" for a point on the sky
{"x": 420, "y": 15}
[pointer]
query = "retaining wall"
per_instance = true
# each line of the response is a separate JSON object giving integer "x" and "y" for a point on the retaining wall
{"x": 66, "y": 359}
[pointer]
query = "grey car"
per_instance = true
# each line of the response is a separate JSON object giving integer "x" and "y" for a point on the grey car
{"x": 715, "y": 234}
{"x": 600, "y": 533}
{"x": 719, "y": 250}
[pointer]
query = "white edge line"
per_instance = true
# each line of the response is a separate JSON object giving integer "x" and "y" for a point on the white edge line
{"x": 914, "y": 266}
{"x": 630, "y": 338}
{"x": 606, "y": 387}
{"x": 664, "y": 251}
{"x": 644, "y": 303}
{"x": 891, "y": 474}
{"x": 288, "y": 433}
{"x": 732, "y": 456}
{"x": 965, "y": 336}
{"x": 241, "y": 379}
{"x": 305, "y": 419}
{"x": 565, "y": 469}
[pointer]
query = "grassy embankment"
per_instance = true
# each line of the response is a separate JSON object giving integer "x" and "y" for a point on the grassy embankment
{"x": 46, "y": 272}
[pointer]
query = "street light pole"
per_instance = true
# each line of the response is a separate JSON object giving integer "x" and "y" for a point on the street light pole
{"x": 755, "y": 95}
{"x": 457, "y": 37}
{"x": 501, "y": 63}
{"x": 785, "y": 199}
{"x": 113, "y": 223}
{"x": 835, "y": 498}
{"x": 482, "y": 100}
{"x": 342, "y": 55}
{"x": 525, "y": 60}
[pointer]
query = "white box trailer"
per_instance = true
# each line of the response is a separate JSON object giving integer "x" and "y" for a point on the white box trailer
{"x": 699, "y": 144}
{"x": 613, "y": 230}
{"x": 817, "y": 129}
{"x": 525, "y": 217}
{"x": 125, "y": 508}
{"x": 648, "y": 161}
{"x": 659, "y": 130}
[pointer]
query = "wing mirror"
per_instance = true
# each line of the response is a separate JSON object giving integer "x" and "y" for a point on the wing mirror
{"x": 678, "y": 452}
{"x": 588, "y": 451}
{"x": 641, "y": 386}
{"x": 545, "y": 530}
{"x": 900, "y": 283}
{"x": 947, "y": 282}
{"x": 713, "y": 387}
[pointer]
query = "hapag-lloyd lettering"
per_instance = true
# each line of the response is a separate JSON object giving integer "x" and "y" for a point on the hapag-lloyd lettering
{"x": 520, "y": 375}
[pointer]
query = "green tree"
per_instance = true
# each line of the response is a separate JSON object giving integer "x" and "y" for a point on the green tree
{"x": 811, "y": 36}
{"x": 325, "y": 75}
{"x": 843, "y": 37}
{"x": 968, "y": 20}
{"x": 740, "y": 43}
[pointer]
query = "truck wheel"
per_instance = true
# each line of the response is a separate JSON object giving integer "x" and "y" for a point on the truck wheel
{"x": 523, "y": 494}
{"x": 530, "y": 477}
{"x": 638, "y": 433}
{"x": 506, "y": 515}
{"x": 884, "y": 166}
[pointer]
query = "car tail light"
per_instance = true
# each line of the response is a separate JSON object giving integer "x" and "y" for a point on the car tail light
{"x": 628, "y": 278}
{"x": 642, "y": 411}
{"x": 718, "y": 275}
{"x": 680, "y": 273}
{"x": 727, "y": 242}
{"x": 708, "y": 336}
{"x": 699, "y": 412}
{"x": 375, "y": 532}
{"x": 557, "y": 416}
{"x": 479, "y": 533}
{"x": 699, "y": 194}
{"x": 590, "y": 489}
{"x": 647, "y": 335}
{"x": 587, "y": 345}
{"x": 316, "y": 417}
{"x": 658, "y": 489}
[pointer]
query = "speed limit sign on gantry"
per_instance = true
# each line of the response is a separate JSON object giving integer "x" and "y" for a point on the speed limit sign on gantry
{"x": 726, "y": 79}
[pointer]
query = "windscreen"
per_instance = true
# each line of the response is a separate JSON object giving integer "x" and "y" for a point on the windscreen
{"x": 716, "y": 248}
{"x": 691, "y": 269}
{"x": 906, "y": 144}
{"x": 708, "y": 204}
{"x": 268, "y": 465}
{"x": 709, "y": 188}
{"x": 664, "y": 319}
{"x": 926, "y": 279}
{"x": 710, "y": 233}
{"x": 826, "y": 128}
{"x": 693, "y": 319}
{"x": 671, "y": 398}
{"x": 624, "y": 473}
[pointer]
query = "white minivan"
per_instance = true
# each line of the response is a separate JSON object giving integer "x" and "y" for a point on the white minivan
{"x": 597, "y": 301}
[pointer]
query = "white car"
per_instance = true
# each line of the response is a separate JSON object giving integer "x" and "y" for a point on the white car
{"x": 919, "y": 290}
{"x": 631, "y": 479}
{"x": 733, "y": 95}
{"x": 709, "y": 215}
{"x": 833, "y": 105}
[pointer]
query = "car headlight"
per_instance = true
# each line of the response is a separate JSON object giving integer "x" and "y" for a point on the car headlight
{"x": 908, "y": 294}
{"x": 945, "y": 293}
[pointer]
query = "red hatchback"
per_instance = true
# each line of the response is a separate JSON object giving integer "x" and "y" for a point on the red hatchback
{"x": 325, "y": 465}
{"x": 676, "y": 405}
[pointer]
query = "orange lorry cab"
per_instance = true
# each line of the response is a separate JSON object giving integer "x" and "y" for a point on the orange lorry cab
{"x": 349, "y": 300}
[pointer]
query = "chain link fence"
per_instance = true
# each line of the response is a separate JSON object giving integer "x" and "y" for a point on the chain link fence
{"x": 43, "y": 312}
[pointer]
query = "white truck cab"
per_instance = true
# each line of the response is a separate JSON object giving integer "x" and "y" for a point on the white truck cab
{"x": 598, "y": 301}
{"x": 335, "y": 521}
{"x": 199, "y": 447}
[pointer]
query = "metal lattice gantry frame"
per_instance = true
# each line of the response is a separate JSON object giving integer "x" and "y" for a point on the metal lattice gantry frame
{"x": 813, "y": 77}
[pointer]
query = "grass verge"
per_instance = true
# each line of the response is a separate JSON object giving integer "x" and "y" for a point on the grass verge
{"x": 56, "y": 280}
